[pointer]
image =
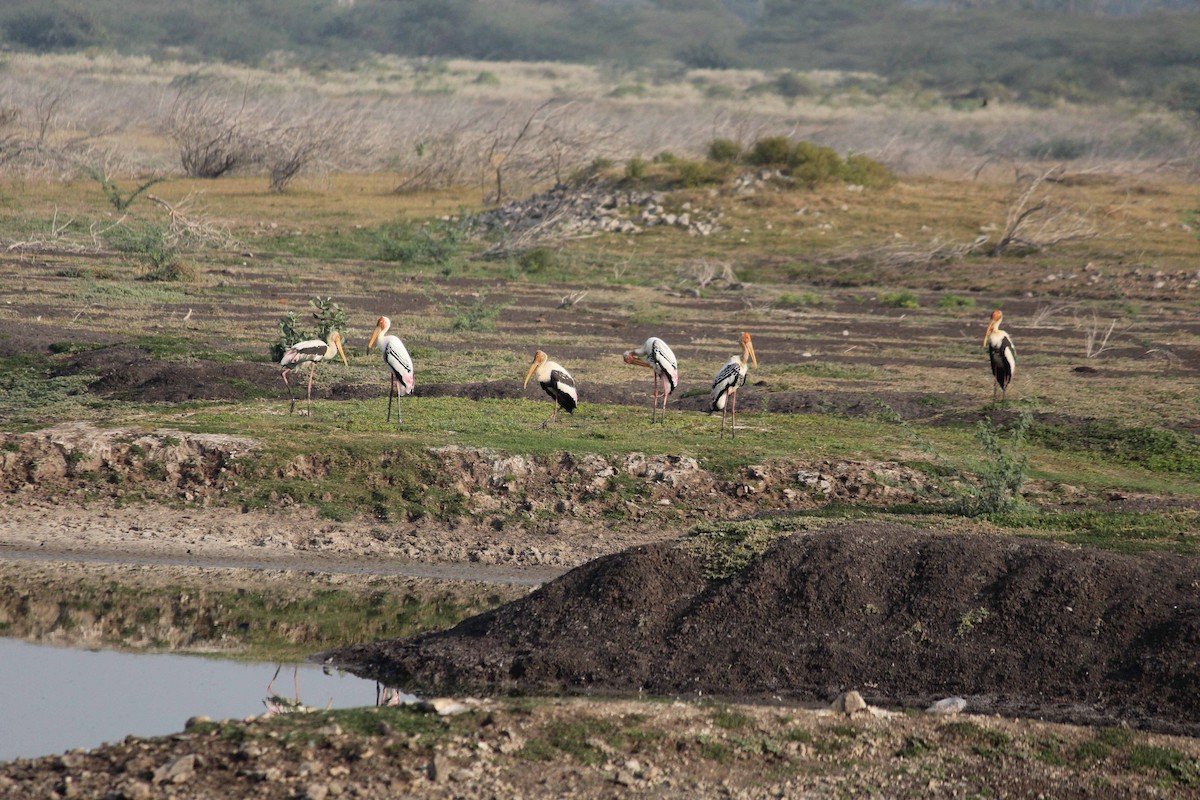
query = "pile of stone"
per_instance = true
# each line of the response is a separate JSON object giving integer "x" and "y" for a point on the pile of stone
{"x": 566, "y": 212}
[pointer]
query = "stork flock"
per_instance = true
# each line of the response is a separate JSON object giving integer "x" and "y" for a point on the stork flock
{"x": 558, "y": 383}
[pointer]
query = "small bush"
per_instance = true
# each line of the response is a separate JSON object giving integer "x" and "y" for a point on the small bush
{"x": 799, "y": 299}
{"x": 700, "y": 173}
{"x": 953, "y": 301}
{"x": 1001, "y": 476}
{"x": 539, "y": 259}
{"x": 771, "y": 151}
{"x": 327, "y": 315}
{"x": 724, "y": 150}
{"x": 866, "y": 171}
{"x": 791, "y": 85}
{"x": 901, "y": 299}
{"x": 635, "y": 168}
{"x": 813, "y": 163}
{"x": 153, "y": 246}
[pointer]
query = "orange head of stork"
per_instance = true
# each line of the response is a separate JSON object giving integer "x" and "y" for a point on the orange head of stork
{"x": 335, "y": 339}
{"x": 381, "y": 328}
{"x": 748, "y": 349}
{"x": 993, "y": 326}
{"x": 539, "y": 358}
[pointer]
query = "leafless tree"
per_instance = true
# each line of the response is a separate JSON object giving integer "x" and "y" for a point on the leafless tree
{"x": 210, "y": 131}
{"x": 543, "y": 145}
{"x": 294, "y": 142}
{"x": 1037, "y": 221}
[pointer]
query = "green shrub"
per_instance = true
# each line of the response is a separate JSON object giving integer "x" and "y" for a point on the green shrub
{"x": 791, "y": 85}
{"x": 328, "y": 316}
{"x": 1002, "y": 474}
{"x": 813, "y": 163}
{"x": 724, "y": 150}
{"x": 953, "y": 301}
{"x": 771, "y": 151}
{"x": 700, "y": 173}
{"x": 901, "y": 299}
{"x": 539, "y": 259}
{"x": 866, "y": 171}
{"x": 152, "y": 245}
{"x": 635, "y": 168}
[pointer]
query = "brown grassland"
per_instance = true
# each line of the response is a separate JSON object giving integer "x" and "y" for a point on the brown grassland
{"x": 149, "y": 317}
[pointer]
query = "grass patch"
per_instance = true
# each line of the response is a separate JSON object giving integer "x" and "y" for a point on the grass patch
{"x": 1155, "y": 449}
{"x": 1122, "y": 531}
{"x": 900, "y": 299}
{"x": 1171, "y": 765}
{"x": 729, "y": 547}
{"x": 577, "y": 738}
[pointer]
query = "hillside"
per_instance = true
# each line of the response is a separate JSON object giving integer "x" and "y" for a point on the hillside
{"x": 1041, "y": 52}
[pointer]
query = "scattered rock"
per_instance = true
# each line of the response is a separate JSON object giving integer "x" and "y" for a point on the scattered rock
{"x": 178, "y": 770}
{"x": 948, "y": 705}
{"x": 849, "y": 703}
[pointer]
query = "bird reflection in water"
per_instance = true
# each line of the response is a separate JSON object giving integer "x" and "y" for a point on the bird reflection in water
{"x": 277, "y": 704}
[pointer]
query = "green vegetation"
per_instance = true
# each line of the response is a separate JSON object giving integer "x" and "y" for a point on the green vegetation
{"x": 1157, "y": 449}
{"x": 327, "y": 316}
{"x": 1002, "y": 473}
{"x": 155, "y": 248}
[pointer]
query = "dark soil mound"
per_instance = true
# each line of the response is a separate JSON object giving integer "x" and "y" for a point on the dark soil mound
{"x": 127, "y": 372}
{"x": 905, "y": 616}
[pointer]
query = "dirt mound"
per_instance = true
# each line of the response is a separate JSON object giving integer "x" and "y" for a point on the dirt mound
{"x": 127, "y": 372}
{"x": 904, "y": 616}
{"x": 80, "y": 457}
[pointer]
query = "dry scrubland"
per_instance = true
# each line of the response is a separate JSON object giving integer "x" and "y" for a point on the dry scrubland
{"x": 867, "y": 307}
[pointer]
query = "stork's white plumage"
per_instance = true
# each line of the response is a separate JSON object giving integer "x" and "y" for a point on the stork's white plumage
{"x": 1001, "y": 354}
{"x": 658, "y": 356}
{"x": 402, "y": 378}
{"x": 727, "y": 381}
{"x": 556, "y": 381}
{"x": 310, "y": 352}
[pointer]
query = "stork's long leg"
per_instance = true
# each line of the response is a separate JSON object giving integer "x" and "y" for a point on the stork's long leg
{"x": 724, "y": 411}
{"x": 733, "y": 415}
{"x": 292, "y": 408}
{"x": 312, "y": 370}
{"x": 396, "y": 386}
{"x": 391, "y": 389}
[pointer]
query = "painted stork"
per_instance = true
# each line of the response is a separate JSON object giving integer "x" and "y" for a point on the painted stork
{"x": 399, "y": 364}
{"x": 557, "y": 383}
{"x": 725, "y": 385}
{"x": 658, "y": 356}
{"x": 310, "y": 352}
{"x": 1002, "y": 355}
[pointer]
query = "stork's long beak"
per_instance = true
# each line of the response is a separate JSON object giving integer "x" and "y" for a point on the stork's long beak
{"x": 529, "y": 374}
{"x": 374, "y": 336}
{"x": 630, "y": 358}
{"x": 338, "y": 344}
{"x": 750, "y": 352}
{"x": 991, "y": 327}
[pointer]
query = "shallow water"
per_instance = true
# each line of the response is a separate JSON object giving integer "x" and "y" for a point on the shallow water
{"x": 54, "y": 699}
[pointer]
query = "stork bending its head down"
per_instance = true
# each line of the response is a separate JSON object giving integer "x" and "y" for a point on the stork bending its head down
{"x": 727, "y": 381}
{"x": 556, "y": 382}
{"x": 310, "y": 352}
{"x": 658, "y": 356}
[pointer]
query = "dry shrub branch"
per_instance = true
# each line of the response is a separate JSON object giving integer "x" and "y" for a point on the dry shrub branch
{"x": 1037, "y": 221}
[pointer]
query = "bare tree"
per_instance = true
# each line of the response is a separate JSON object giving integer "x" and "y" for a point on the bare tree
{"x": 292, "y": 145}
{"x": 1036, "y": 221}
{"x": 210, "y": 133}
